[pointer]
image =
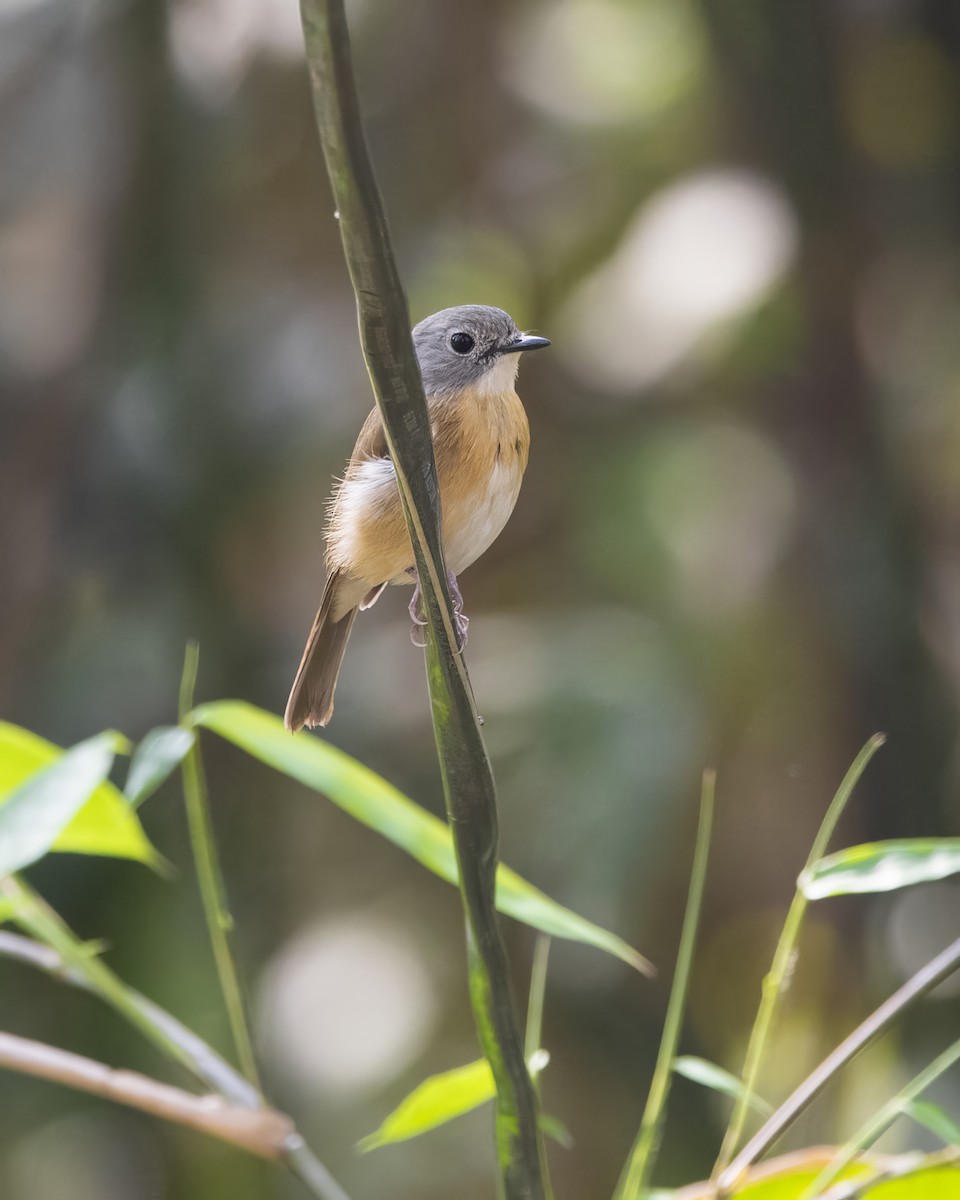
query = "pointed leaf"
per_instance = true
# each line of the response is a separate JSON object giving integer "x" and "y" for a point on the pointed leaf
{"x": 554, "y": 1128}
{"x": 882, "y": 867}
{"x": 940, "y": 1123}
{"x": 377, "y": 804}
{"x": 155, "y": 760}
{"x": 103, "y": 825}
{"x": 434, "y": 1102}
{"x": 708, "y": 1074}
{"x": 439, "y": 1099}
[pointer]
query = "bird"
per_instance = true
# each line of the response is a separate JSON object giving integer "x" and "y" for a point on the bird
{"x": 468, "y": 358}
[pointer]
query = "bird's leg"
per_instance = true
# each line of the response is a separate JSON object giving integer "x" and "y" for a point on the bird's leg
{"x": 460, "y": 621}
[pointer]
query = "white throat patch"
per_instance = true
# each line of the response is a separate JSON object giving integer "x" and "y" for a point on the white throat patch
{"x": 500, "y": 377}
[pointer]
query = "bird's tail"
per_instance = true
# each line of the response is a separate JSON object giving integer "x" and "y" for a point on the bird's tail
{"x": 311, "y": 697}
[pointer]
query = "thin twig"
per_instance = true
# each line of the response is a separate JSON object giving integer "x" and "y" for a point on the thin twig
{"x": 881, "y": 1120}
{"x": 636, "y": 1173}
{"x": 66, "y": 958}
{"x": 163, "y": 1029}
{"x": 775, "y": 982}
{"x": 213, "y": 891}
{"x": 877, "y": 1023}
{"x": 465, "y": 768}
{"x": 262, "y": 1131}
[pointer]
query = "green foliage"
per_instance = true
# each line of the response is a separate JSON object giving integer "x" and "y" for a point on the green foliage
{"x": 709, "y": 1075}
{"x": 155, "y": 760}
{"x": 934, "y": 1184}
{"x": 780, "y": 968}
{"x": 52, "y": 799}
{"x": 932, "y": 1116}
{"x": 882, "y": 867}
{"x": 62, "y": 800}
{"x": 369, "y": 799}
{"x": 440, "y": 1098}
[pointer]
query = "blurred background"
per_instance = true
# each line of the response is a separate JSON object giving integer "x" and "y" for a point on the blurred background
{"x": 737, "y": 542}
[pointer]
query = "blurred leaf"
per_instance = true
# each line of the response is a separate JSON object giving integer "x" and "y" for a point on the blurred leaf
{"x": 155, "y": 760}
{"x": 440, "y": 1099}
{"x": 8, "y": 910}
{"x": 931, "y": 1115}
{"x": 919, "y": 1182}
{"x": 377, "y": 804}
{"x": 881, "y": 867}
{"x": 554, "y": 1128}
{"x": 104, "y": 825}
{"x": 63, "y": 801}
{"x": 708, "y": 1074}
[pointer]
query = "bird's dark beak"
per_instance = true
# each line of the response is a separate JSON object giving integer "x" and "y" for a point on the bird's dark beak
{"x": 526, "y": 341}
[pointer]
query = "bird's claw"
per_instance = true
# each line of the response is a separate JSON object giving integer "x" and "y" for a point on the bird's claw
{"x": 461, "y": 622}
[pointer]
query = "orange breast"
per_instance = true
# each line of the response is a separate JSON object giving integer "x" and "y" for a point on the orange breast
{"x": 481, "y": 444}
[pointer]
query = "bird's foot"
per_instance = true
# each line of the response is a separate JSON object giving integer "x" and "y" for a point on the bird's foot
{"x": 417, "y": 620}
{"x": 461, "y": 622}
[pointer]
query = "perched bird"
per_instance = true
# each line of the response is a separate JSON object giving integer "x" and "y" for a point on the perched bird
{"x": 468, "y": 359}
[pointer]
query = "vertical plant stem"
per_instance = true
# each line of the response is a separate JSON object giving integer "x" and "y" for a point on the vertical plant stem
{"x": 775, "y": 982}
{"x": 881, "y": 1120}
{"x": 210, "y": 878}
{"x": 467, "y": 778}
{"x": 636, "y": 1173}
{"x": 538, "y": 991}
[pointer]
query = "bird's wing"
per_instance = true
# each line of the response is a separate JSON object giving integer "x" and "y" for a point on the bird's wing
{"x": 371, "y": 441}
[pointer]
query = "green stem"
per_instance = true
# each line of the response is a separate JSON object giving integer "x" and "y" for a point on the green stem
{"x": 538, "y": 990}
{"x": 868, "y": 1133}
{"x": 636, "y": 1173}
{"x": 868, "y": 1031}
{"x": 774, "y": 984}
{"x": 467, "y": 777}
{"x": 210, "y": 878}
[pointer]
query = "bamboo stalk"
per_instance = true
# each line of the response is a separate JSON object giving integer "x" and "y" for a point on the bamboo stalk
{"x": 467, "y": 777}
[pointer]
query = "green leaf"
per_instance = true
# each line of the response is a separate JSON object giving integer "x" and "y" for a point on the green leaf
{"x": 935, "y": 1184}
{"x": 554, "y": 1128}
{"x": 439, "y": 1099}
{"x": 708, "y": 1074}
{"x": 104, "y": 824}
{"x": 881, "y": 867}
{"x": 155, "y": 760}
{"x": 37, "y": 812}
{"x": 931, "y": 1115}
{"x": 434, "y": 1102}
{"x": 377, "y": 804}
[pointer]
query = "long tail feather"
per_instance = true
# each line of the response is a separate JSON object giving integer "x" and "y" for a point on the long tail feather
{"x": 311, "y": 697}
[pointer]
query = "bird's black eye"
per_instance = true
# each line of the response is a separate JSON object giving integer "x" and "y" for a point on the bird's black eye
{"x": 461, "y": 343}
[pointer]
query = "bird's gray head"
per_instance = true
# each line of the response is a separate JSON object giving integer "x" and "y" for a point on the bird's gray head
{"x": 472, "y": 346}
